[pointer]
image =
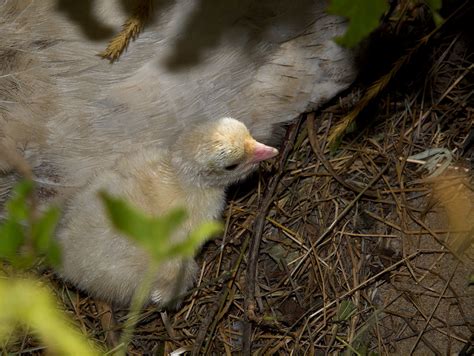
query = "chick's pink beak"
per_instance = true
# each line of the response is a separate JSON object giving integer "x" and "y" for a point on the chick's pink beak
{"x": 262, "y": 152}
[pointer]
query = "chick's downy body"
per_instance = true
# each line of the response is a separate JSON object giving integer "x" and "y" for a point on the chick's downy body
{"x": 193, "y": 174}
{"x": 110, "y": 266}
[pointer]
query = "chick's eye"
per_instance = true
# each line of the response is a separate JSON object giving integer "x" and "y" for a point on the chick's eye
{"x": 231, "y": 167}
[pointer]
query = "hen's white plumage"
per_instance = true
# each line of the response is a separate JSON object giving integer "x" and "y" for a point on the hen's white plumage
{"x": 70, "y": 112}
{"x": 192, "y": 174}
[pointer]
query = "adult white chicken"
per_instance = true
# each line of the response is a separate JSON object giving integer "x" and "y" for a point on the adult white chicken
{"x": 69, "y": 112}
{"x": 192, "y": 174}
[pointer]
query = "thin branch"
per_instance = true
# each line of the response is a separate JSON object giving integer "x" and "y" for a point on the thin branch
{"x": 259, "y": 225}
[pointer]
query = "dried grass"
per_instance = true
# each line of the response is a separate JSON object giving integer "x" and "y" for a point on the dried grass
{"x": 131, "y": 29}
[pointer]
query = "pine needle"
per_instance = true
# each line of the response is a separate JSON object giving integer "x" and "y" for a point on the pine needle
{"x": 130, "y": 31}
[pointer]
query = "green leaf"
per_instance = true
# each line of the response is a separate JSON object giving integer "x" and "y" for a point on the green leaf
{"x": 53, "y": 255}
{"x": 43, "y": 229}
{"x": 160, "y": 242}
{"x": 11, "y": 238}
{"x": 137, "y": 225}
{"x": 364, "y": 17}
{"x": 438, "y": 20}
{"x": 126, "y": 219}
{"x": 196, "y": 238}
{"x": 345, "y": 311}
{"x": 155, "y": 233}
{"x": 435, "y": 5}
{"x": 165, "y": 225}
{"x": 17, "y": 206}
{"x": 24, "y": 302}
{"x": 23, "y": 240}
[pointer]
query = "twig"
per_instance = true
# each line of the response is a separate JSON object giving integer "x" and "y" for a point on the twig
{"x": 423, "y": 338}
{"x": 216, "y": 313}
{"x": 108, "y": 323}
{"x": 259, "y": 225}
{"x": 212, "y": 312}
{"x": 434, "y": 309}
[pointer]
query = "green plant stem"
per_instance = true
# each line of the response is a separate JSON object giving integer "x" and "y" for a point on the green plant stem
{"x": 139, "y": 299}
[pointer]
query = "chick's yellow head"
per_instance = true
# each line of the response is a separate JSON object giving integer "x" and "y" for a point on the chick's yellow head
{"x": 219, "y": 152}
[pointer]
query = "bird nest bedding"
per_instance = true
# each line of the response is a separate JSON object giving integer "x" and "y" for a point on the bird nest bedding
{"x": 363, "y": 248}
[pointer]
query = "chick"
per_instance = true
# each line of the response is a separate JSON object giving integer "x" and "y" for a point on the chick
{"x": 193, "y": 173}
